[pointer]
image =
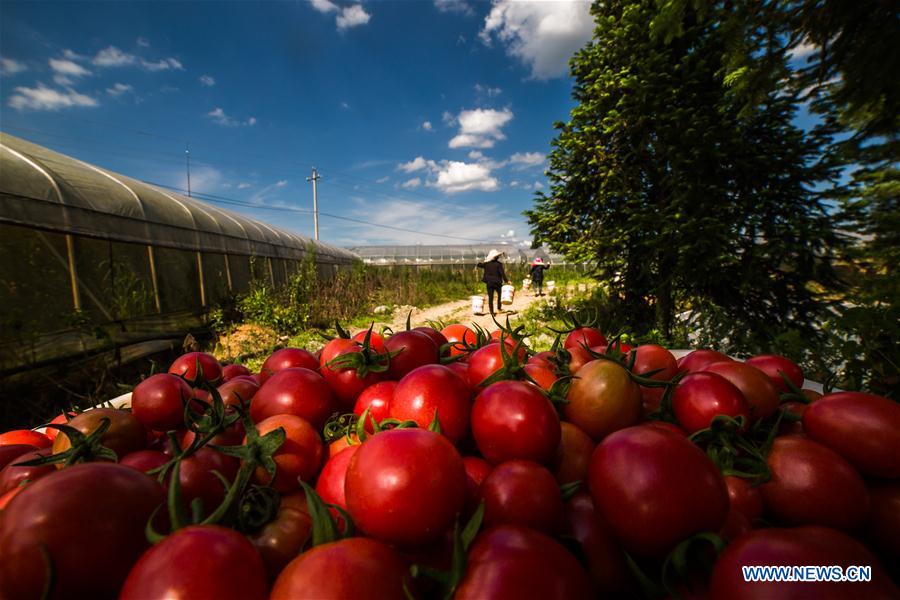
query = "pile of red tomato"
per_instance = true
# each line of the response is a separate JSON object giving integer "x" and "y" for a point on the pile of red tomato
{"x": 456, "y": 463}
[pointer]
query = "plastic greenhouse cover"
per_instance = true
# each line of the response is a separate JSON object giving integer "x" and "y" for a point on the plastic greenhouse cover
{"x": 46, "y": 189}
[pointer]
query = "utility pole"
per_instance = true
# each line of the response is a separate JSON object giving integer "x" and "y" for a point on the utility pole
{"x": 187, "y": 155}
{"x": 315, "y": 177}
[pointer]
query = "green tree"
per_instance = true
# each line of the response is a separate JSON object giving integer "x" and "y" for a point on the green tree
{"x": 686, "y": 197}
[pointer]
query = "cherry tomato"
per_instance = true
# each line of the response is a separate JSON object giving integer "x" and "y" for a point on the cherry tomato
{"x": 744, "y": 498}
{"x": 11, "y": 452}
{"x": 158, "y": 402}
{"x": 345, "y": 382}
{"x": 125, "y": 433}
{"x": 13, "y": 475}
{"x": 512, "y": 419}
{"x": 229, "y": 372}
{"x": 773, "y": 364}
{"x": 761, "y": 395}
{"x": 509, "y": 561}
{"x": 458, "y": 336}
{"x": 701, "y": 396}
{"x": 488, "y": 359}
{"x": 656, "y": 488}
{"x": 197, "y": 367}
{"x": 603, "y": 556}
{"x": 351, "y": 568}
{"x": 584, "y": 336}
{"x": 192, "y": 563}
{"x": 25, "y": 437}
{"x": 330, "y": 485}
{"x": 283, "y": 538}
{"x": 300, "y": 456}
{"x": 434, "y": 390}
{"x": 812, "y": 485}
{"x": 543, "y": 376}
{"x": 863, "y": 428}
{"x": 603, "y": 399}
{"x": 288, "y": 358}
{"x": 294, "y": 391}
{"x": 415, "y": 350}
{"x": 89, "y": 519}
{"x": 698, "y": 360}
{"x": 476, "y": 470}
{"x": 377, "y": 398}
{"x": 573, "y": 457}
{"x": 522, "y": 492}
{"x": 238, "y": 392}
{"x": 405, "y": 486}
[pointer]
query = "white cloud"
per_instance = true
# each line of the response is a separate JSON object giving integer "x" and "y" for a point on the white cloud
{"x": 416, "y": 164}
{"x": 542, "y": 35}
{"x": 476, "y": 155}
{"x": 143, "y": 42}
{"x": 537, "y": 185}
{"x": 448, "y": 118}
{"x": 345, "y": 105}
{"x": 480, "y": 128}
{"x": 454, "y": 6}
{"x": 281, "y": 183}
{"x": 9, "y": 66}
{"x": 243, "y": 186}
{"x": 324, "y": 6}
{"x": 455, "y": 177}
{"x": 411, "y": 183}
{"x": 203, "y": 179}
{"x": 68, "y": 68}
{"x": 163, "y": 64}
{"x": 113, "y": 57}
{"x": 352, "y": 16}
{"x": 45, "y": 98}
{"x": 70, "y": 55}
{"x": 118, "y": 89}
{"x": 526, "y": 159}
{"x": 219, "y": 117}
{"x": 486, "y": 89}
{"x": 427, "y": 126}
{"x": 384, "y": 179}
{"x": 207, "y": 80}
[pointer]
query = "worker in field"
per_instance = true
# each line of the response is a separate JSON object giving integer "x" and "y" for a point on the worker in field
{"x": 494, "y": 277}
{"x": 537, "y": 275}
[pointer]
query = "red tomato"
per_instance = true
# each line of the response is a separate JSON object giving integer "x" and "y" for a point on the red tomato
{"x": 238, "y": 391}
{"x": 544, "y": 359}
{"x": 518, "y": 562}
{"x": 145, "y": 460}
{"x": 603, "y": 399}
{"x": 89, "y": 519}
{"x": 656, "y": 488}
{"x": 341, "y": 444}
{"x": 578, "y": 357}
{"x": 650, "y": 357}
{"x": 795, "y": 426}
{"x": 25, "y": 437}
{"x": 203, "y": 555}
{"x": 603, "y": 556}
{"x": 415, "y": 350}
{"x": 761, "y": 396}
{"x": 434, "y": 390}
{"x": 300, "y": 456}
{"x": 376, "y": 341}
{"x": 60, "y": 419}
{"x": 736, "y": 525}
{"x": 345, "y": 383}
{"x": 8, "y": 496}
{"x": 197, "y": 367}
{"x": 512, "y": 419}
{"x": 294, "y": 391}
{"x": 11, "y": 452}
{"x": 461, "y": 369}
{"x": 330, "y": 485}
{"x": 158, "y": 402}
{"x": 863, "y": 428}
{"x": 771, "y": 364}
{"x": 744, "y": 498}
{"x": 543, "y": 376}
{"x": 283, "y": 538}
{"x": 436, "y": 336}
{"x": 799, "y": 546}
{"x": 522, "y": 492}
{"x": 584, "y": 336}
{"x": 458, "y": 336}
{"x": 812, "y": 485}
{"x": 701, "y": 396}
{"x": 405, "y": 486}
{"x": 288, "y": 358}
{"x": 377, "y": 398}
{"x": 488, "y": 359}
{"x": 229, "y": 372}
{"x": 13, "y": 475}
{"x": 573, "y": 457}
{"x": 698, "y": 360}
{"x": 125, "y": 433}
{"x": 351, "y": 568}
{"x": 197, "y": 480}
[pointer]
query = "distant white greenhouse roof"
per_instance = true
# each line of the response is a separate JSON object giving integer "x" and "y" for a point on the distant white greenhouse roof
{"x": 447, "y": 254}
{"x": 46, "y": 189}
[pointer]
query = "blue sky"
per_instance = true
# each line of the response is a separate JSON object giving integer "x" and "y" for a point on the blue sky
{"x": 428, "y": 116}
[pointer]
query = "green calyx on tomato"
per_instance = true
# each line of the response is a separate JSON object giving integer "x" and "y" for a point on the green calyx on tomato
{"x": 85, "y": 448}
{"x": 324, "y": 528}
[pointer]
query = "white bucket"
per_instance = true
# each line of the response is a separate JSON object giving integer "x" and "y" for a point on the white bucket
{"x": 507, "y": 293}
{"x": 477, "y": 305}
{"x": 550, "y": 286}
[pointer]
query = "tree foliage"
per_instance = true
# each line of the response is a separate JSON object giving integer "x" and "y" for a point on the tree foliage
{"x": 685, "y": 195}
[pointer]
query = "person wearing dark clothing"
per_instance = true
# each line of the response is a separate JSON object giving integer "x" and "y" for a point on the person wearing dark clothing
{"x": 537, "y": 275}
{"x": 494, "y": 277}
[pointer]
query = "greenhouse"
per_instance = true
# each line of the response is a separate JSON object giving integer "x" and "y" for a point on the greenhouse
{"x": 461, "y": 254}
{"x": 93, "y": 260}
